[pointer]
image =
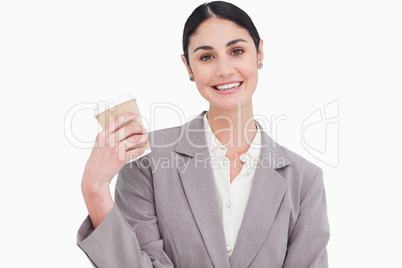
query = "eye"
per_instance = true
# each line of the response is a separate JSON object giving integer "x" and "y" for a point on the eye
{"x": 237, "y": 52}
{"x": 206, "y": 57}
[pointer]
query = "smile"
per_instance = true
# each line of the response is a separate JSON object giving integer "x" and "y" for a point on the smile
{"x": 227, "y": 86}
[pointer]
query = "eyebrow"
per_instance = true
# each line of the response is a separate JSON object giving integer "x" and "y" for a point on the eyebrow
{"x": 231, "y": 43}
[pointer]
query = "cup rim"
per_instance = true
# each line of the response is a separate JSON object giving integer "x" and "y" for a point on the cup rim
{"x": 104, "y": 105}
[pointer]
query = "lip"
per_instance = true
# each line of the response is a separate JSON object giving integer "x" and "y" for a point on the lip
{"x": 227, "y": 91}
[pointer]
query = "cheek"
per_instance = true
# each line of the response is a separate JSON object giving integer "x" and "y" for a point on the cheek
{"x": 250, "y": 72}
{"x": 202, "y": 77}
{"x": 200, "y": 71}
{"x": 201, "y": 81}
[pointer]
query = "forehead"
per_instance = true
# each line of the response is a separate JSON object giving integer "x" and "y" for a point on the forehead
{"x": 218, "y": 31}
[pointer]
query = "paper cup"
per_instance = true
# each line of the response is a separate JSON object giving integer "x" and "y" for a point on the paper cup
{"x": 107, "y": 111}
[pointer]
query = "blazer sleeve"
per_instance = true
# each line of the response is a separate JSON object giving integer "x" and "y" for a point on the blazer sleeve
{"x": 129, "y": 235}
{"x": 308, "y": 241}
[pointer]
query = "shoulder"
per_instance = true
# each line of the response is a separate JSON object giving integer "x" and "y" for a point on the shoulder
{"x": 163, "y": 142}
{"x": 183, "y": 139}
{"x": 299, "y": 164}
{"x": 165, "y": 137}
{"x": 297, "y": 170}
{"x": 300, "y": 173}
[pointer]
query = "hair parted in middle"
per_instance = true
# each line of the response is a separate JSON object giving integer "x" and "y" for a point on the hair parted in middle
{"x": 219, "y": 9}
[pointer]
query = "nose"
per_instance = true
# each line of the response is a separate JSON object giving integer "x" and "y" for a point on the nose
{"x": 224, "y": 67}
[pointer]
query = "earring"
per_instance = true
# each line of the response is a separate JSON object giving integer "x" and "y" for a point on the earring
{"x": 261, "y": 65}
{"x": 191, "y": 79}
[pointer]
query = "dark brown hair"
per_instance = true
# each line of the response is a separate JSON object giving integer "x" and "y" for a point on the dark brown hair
{"x": 222, "y": 10}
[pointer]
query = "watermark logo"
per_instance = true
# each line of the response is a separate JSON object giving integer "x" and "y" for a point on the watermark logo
{"x": 319, "y": 131}
{"x": 320, "y": 134}
{"x": 70, "y": 131}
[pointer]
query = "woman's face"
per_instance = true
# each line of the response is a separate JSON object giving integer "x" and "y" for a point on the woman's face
{"x": 223, "y": 62}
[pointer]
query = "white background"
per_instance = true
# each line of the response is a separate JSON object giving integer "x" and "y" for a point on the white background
{"x": 57, "y": 55}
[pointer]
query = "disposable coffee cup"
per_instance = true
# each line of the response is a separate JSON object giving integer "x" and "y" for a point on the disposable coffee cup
{"x": 107, "y": 111}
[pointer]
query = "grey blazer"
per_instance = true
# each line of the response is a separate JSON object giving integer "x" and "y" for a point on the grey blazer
{"x": 166, "y": 210}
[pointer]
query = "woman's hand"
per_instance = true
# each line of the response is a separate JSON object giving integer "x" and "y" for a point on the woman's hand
{"x": 109, "y": 154}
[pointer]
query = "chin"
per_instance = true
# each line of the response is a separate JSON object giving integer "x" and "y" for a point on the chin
{"x": 229, "y": 105}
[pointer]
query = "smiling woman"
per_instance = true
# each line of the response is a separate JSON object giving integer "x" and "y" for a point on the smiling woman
{"x": 230, "y": 196}
{"x": 226, "y": 65}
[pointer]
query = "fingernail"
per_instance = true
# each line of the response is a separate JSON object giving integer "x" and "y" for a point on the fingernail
{"x": 133, "y": 114}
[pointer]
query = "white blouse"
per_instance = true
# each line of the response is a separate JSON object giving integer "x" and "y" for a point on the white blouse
{"x": 233, "y": 196}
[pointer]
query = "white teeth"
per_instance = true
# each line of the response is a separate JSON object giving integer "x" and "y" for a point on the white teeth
{"x": 227, "y": 86}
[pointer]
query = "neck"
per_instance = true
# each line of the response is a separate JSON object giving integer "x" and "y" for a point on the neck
{"x": 235, "y": 129}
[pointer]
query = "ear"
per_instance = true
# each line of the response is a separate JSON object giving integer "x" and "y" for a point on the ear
{"x": 189, "y": 71}
{"x": 260, "y": 55}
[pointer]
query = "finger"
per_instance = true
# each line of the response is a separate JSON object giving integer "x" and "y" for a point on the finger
{"x": 119, "y": 121}
{"x": 129, "y": 130}
{"x": 134, "y": 141}
{"x": 134, "y": 153}
{"x": 125, "y": 156}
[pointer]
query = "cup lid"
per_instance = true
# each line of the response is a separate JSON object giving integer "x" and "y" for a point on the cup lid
{"x": 104, "y": 105}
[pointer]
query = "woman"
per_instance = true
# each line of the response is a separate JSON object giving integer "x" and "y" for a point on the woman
{"x": 231, "y": 196}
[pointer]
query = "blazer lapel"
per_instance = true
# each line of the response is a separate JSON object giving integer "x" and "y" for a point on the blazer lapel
{"x": 264, "y": 201}
{"x": 198, "y": 183}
